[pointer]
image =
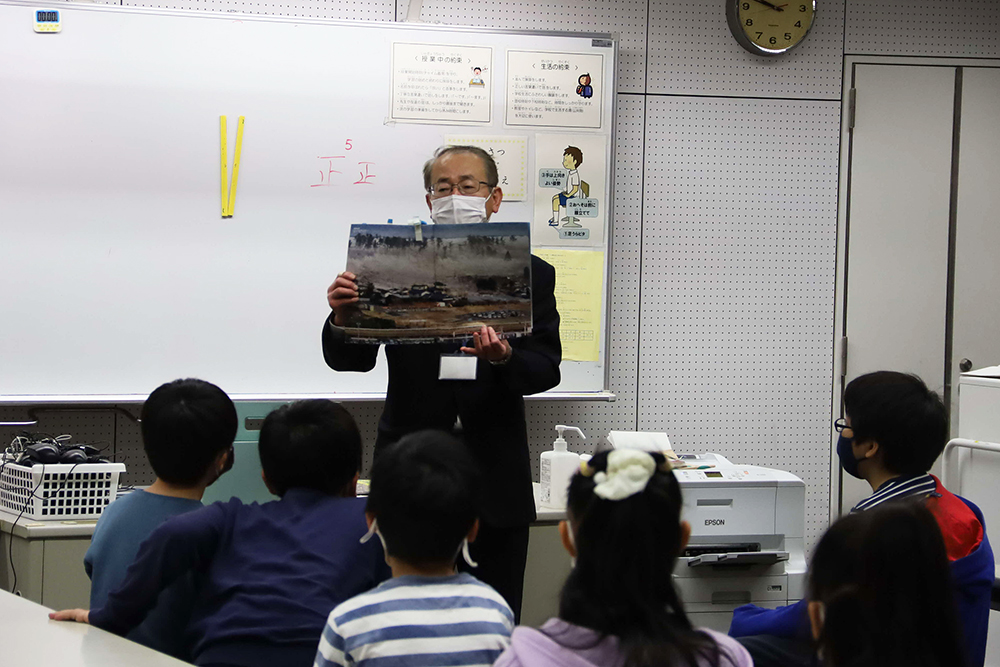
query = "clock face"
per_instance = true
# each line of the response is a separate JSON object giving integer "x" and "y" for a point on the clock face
{"x": 770, "y": 27}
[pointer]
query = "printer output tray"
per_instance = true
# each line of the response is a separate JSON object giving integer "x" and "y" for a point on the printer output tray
{"x": 739, "y": 558}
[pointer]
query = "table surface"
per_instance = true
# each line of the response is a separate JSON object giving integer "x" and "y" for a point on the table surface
{"x": 30, "y": 639}
{"x": 35, "y": 530}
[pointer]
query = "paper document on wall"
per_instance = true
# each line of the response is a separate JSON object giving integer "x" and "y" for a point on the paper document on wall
{"x": 562, "y": 90}
{"x": 511, "y": 157}
{"x": 579, "y": 298}
{"x": 440, "y": 83}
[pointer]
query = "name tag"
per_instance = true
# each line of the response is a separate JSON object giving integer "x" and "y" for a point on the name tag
{"x": 457, "y": 367}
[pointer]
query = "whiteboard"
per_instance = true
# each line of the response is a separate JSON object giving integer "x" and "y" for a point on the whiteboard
{"x": 119, "y": 273}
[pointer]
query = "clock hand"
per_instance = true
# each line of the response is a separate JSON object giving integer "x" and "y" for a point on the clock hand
{"x": 779, "y": 8}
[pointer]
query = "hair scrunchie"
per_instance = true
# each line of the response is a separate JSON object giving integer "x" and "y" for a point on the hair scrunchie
{"x": 628, "y": 472}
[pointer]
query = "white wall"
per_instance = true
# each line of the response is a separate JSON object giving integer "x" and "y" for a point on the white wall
{"x": 722, "y": 300}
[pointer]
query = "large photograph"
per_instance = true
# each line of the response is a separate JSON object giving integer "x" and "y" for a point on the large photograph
{"x": 439, "y": 282}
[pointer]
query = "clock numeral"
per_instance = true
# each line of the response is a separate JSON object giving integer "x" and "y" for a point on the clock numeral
{"x": 746, "y": 5}
{"x": 802, "y": 8}
{"x": 749, "y": 21}
{"x": 773, "y": 40}
{"x": 798, "y": 24}
{"x": 759, "y": 35}
{"x": 788, "y": 36}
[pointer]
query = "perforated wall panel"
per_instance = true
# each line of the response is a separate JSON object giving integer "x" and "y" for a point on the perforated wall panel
{"x": 739, "y": 245}
{"x": 626, "y": 17}
{"x": 595, "y": 419}
{"x": 968, "y": 28}
{"x": 355, "y": 10}
{"x": 692, "y": 52}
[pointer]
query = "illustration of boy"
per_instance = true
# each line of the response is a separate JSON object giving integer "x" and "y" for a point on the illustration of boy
{"x": 477, "y": 77}
{"x": 572, "y": 159}
{"x": 584, "y": 89}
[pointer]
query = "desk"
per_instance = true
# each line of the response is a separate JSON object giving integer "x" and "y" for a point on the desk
{"x": 30, "y": 639}
{"x": 48, "y": 558}
{"x": 547, "y": 566}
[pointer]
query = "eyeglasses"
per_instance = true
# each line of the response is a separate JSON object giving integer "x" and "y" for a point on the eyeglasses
{"x": 840, "y": 424}
{"x": 466, "y": 187}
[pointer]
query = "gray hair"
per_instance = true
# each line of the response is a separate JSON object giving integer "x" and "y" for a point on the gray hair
{"x": 492, "y": 177}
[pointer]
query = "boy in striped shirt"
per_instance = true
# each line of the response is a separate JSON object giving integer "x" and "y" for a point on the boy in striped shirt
{"x": 423, "y": 506}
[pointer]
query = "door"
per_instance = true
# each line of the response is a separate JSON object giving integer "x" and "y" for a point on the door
{"x": 976, "y": 319}
{"x": 899, "y": 194}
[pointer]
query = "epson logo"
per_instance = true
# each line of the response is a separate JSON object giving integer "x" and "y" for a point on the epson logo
{"x": 715, "y": 522}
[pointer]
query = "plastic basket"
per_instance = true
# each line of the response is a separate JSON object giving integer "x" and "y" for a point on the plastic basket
{"x": 54, "y": 491}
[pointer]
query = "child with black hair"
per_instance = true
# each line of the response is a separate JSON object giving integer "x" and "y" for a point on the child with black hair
{"x": 874, "y": 578}
{"x": 423, "y": 506}
{"x": 619, "y": 607}
{"x": 272, "y": 572}
{"x": 188, "y": 428}
{"x": 894, "y": 429}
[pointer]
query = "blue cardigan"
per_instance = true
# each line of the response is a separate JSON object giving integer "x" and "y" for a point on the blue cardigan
{"x": 973, "y": 579}
{"x": 271, "y": 574}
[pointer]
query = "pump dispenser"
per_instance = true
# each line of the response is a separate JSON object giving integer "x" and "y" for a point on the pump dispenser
{"x": 557, "y": 468}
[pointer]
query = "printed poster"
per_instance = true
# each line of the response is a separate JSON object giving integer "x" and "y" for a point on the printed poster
{"x": 579, "y": 277}
{"x": 511, "y": 156}
{"x": 561, "y": 90}
{"x": 438, "y": 83}
{"x": 422, "y": 283}
{"x": 570, "y": 183}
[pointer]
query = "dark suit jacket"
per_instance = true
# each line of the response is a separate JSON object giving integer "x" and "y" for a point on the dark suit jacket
{"x": 491, "y": 407}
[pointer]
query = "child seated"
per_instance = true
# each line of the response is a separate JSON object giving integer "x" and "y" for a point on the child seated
{"x": 423, "y": 507}
{"x": 880, "y": 592}
{"x": 271, "y": 572}
{"x": 619, "y": 607}
{"x": 188, "y": 427}
{"x": 893, "y": 431}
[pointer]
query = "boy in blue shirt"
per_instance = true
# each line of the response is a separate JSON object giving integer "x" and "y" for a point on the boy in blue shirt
{"x": 188, "y": 427}
{"x": 423, "y": 506}
{"x": 270, "y": 573}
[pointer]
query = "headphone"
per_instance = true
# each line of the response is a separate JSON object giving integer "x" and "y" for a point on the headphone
{"x": 51, "y": 452}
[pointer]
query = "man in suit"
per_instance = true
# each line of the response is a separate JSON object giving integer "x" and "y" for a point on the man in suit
{"x": 461, "y": 184}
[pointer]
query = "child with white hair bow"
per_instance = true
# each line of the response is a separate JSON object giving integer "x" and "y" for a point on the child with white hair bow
{"x": 619, "y": 607}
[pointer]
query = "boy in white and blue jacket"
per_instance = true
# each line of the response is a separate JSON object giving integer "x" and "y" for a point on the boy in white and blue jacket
{"x": 423, "y": 507}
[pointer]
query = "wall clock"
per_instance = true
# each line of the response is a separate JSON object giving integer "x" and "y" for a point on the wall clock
{"x": 770, "y": 27}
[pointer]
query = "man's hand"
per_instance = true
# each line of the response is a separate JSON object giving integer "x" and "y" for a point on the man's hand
{"x": 76, "y": 615}
{"x": 489, "y": 346}
{"x": 341, "y": 295}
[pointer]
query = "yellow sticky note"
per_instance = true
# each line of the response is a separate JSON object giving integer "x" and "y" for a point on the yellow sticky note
{"x": 579, "y": 298}
{"x": 236, "y": 166}
{"x": 224, "y": 160}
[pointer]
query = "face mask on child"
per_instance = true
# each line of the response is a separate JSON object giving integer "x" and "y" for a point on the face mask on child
{"x": 846, "y": 455}
{"x": 458, "y": 210}
{"x": 373, "y": 530}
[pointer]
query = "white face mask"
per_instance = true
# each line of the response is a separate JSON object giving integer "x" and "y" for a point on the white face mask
{"x": 373, "y": 530}
{"x": 458, "y": 210}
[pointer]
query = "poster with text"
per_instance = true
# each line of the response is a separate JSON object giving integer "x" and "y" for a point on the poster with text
{"x": 562, "y": 90}
{"x": 579, "y": 277}
{"x": 438, "y": 83}
{"x": 570, "y": 180}
{"x": 511, "y": 157}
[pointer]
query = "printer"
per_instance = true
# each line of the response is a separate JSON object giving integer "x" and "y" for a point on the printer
{"x": 747, "y": 538}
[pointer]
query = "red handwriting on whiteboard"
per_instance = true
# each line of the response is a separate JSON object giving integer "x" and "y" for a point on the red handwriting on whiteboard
{"x": 326, "y": 173}
{"x": 365, "y": 173}
{"x": 332, "y": 170}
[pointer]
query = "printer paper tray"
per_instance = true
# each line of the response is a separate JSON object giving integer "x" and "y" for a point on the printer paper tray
{"x": 739, "y": 558}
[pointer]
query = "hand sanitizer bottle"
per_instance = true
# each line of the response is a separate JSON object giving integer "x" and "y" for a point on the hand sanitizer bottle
{"x": 557, "y": 468}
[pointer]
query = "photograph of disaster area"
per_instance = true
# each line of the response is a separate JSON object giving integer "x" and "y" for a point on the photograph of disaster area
{"x": 437, "y": 282}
